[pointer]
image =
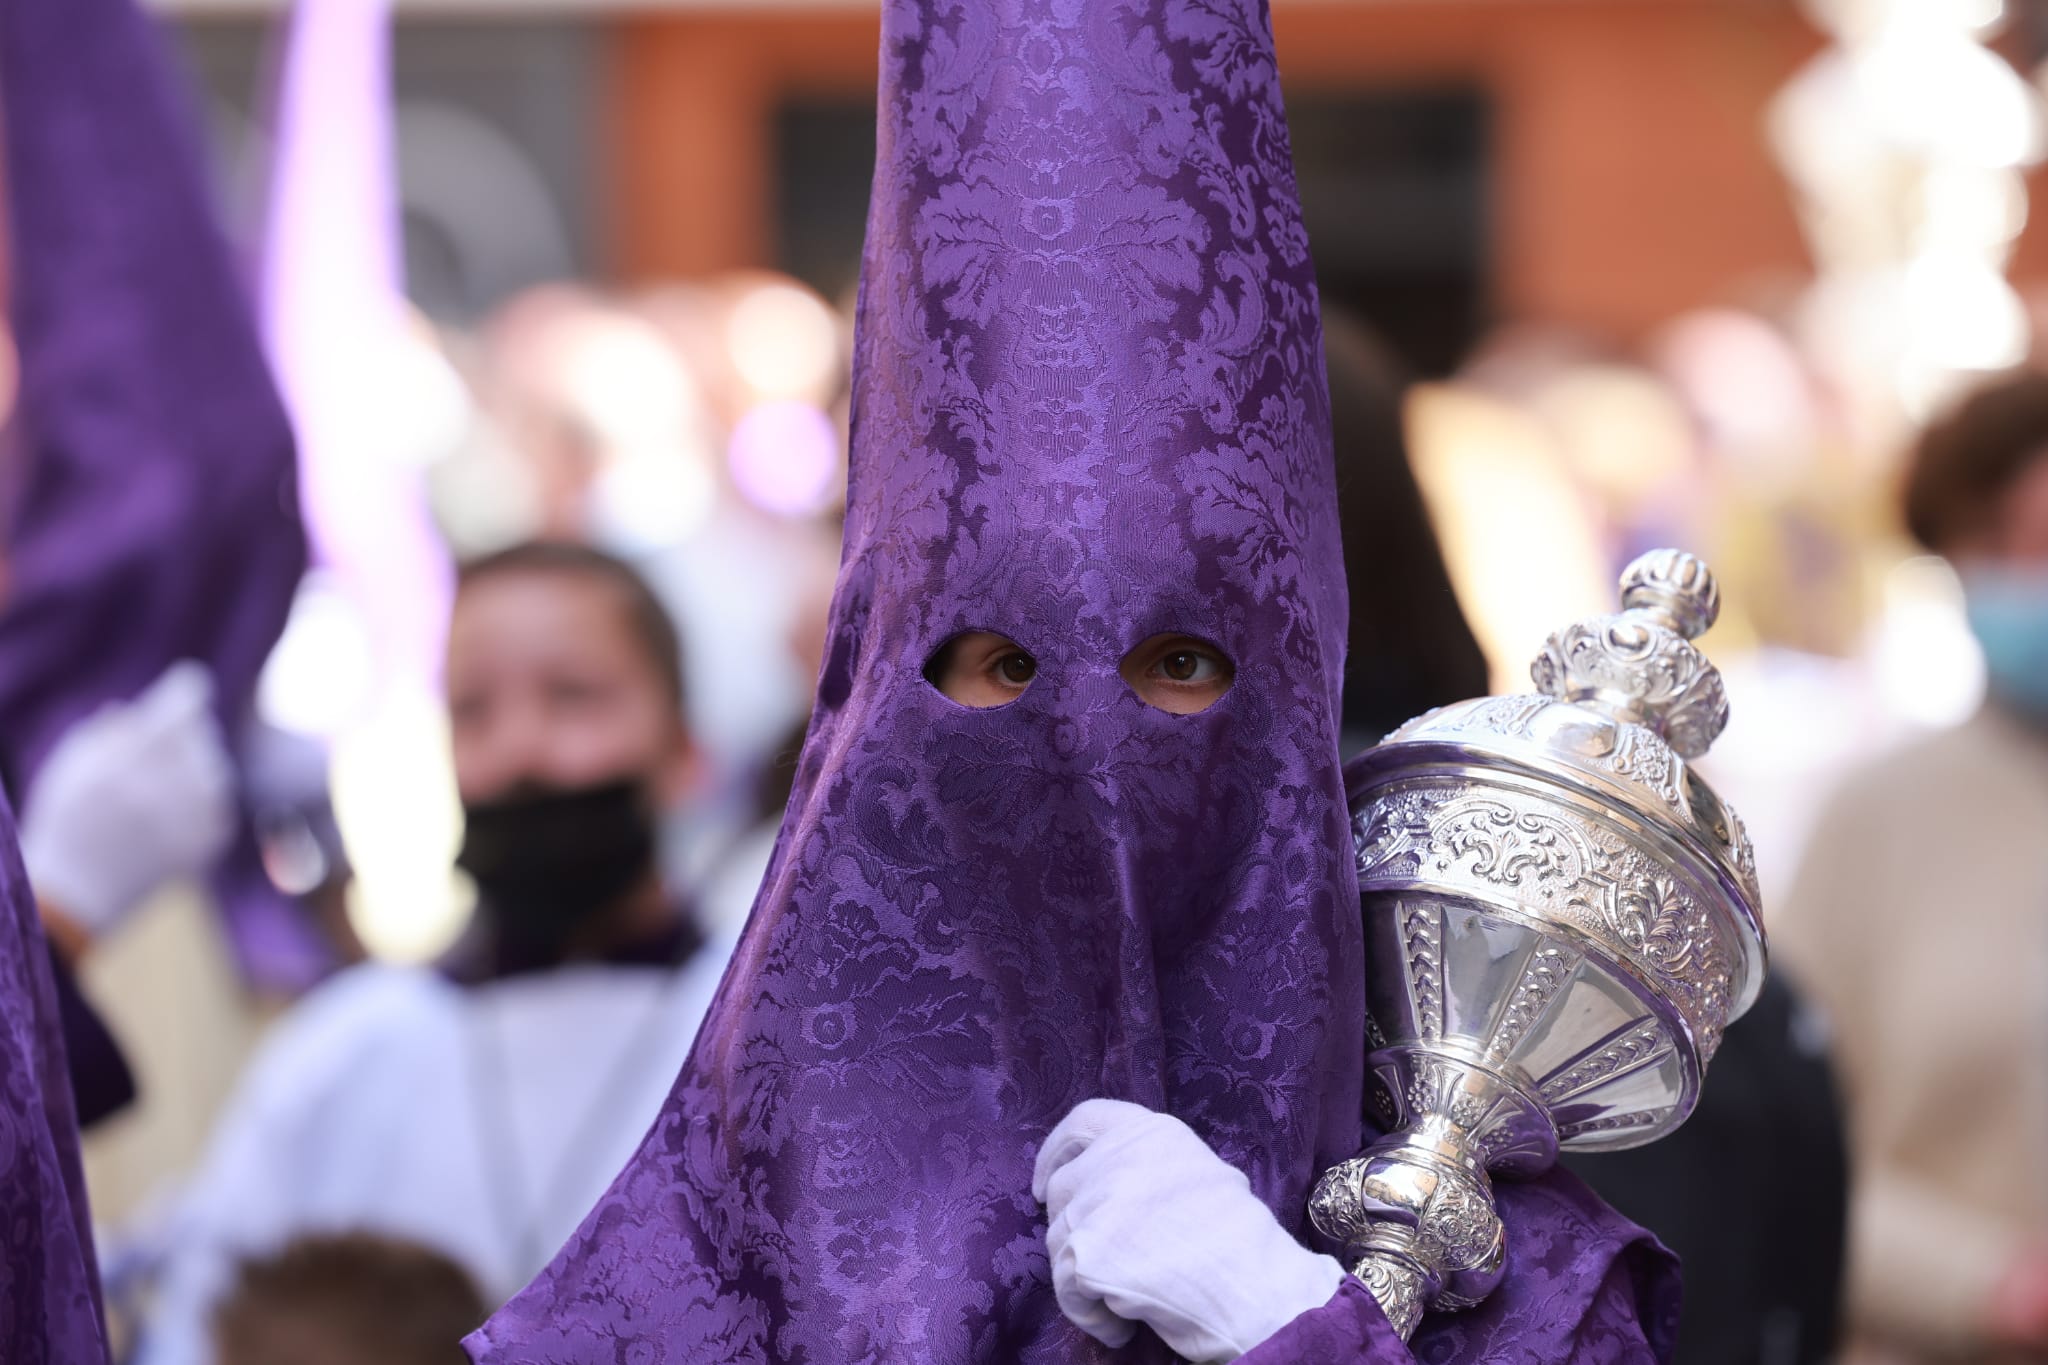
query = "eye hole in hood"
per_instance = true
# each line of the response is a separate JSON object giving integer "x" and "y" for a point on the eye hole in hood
{"x": 1182, "y": 674}
{"x": 981, "y": 668}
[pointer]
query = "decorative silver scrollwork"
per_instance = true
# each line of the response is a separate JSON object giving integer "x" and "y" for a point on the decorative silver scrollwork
{"x": 1397, "y": 1285}
{"x": 1641, "y": 666}
{"x": 1614, "y": 1123}
{"x": 1634, "y": 904}
{"x": 1543, "y": 975}
{"x": 1422, "y": 931}
{"x": 1508, "y": 844}
{"x": 1561, "y": 919}
{"x": 1643, "y": 1044}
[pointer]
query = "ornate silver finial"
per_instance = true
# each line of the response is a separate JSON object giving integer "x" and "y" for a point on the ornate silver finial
{"x": 1674, "y": 588}
{"x": 1640, "y": 666}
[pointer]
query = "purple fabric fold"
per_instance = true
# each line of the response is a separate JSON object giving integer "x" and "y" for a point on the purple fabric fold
{"x": 1349, "y": 1327}
{"x": 1089, "y": 409}
{"x": 1582, "y": 1287}
{"x": 153, "y": 514}
{"x": 101, "y": 1081}
{"x": 49, "y": 1280}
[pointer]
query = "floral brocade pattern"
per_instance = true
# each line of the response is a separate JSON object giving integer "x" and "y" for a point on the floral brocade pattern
{"x": 1089, "y": 407}
{"x": 49, "y": 1280}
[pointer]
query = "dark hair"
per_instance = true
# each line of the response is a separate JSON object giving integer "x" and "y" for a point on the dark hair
{"x": 654, "y": 630}
{"x": 1966, "y": 461}
{"x": 348, "y": 1297}
{"x": 1410, "y": 647}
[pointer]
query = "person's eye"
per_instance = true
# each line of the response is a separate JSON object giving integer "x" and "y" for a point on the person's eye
{"x": 1178, "y": 673}
{"x": 1017, "y": 668}
{"x": 981, "y": 668}
{"x": 575, "y": 692}
{"x": 1191, "y": 666}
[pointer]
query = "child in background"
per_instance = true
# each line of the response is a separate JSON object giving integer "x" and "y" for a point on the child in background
{"x": 479, "y": 1105}
{"x": 352, "y": 1299}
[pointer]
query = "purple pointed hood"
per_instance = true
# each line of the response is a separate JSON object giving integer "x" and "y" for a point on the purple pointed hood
{"x": 1089, "y": 409}
{"x": 49, "y": 1279}
{"x": 150, "y": 510}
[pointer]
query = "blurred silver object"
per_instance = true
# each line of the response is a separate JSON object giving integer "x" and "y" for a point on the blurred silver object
{"x": 1561, "y": 919}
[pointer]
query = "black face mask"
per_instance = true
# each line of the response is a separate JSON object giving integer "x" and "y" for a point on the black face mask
{"x": 545, "y": 862}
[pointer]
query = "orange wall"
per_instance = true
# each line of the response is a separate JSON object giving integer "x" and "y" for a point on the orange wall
{"x": 694, "y": 99}
{"x": 1632, "y": 176}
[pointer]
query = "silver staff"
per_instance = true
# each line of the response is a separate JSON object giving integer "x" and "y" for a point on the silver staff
{"x": 1561, "y": 919}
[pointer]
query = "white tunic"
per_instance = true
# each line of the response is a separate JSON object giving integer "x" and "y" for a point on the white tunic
{"x": 483, "y": 1121}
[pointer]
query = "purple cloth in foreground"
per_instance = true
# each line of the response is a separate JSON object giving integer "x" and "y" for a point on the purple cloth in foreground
{"x": 1089, "y": 408}
{"x": 101, "y": 1081}
{"x": 154, "y": 515}
{"x": 49, "y": 1281}
{"x": 1578, "y": 1289}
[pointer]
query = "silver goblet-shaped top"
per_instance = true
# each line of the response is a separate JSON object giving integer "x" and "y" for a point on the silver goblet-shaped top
{"x": 1561, "y": 921}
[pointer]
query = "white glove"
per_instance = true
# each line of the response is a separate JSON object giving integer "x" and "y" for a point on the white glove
{"x": 134, "y": 795}
{"x": 1148, "y": 1225}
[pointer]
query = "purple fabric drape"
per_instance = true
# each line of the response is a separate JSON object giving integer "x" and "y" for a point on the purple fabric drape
{"x": 49, "y": 1281}
{"x": 1583, "y": 1286}
{"x": 1089, "y": 408}
{"x": 101, "y": 1081}
{"x": 153, "y": 514}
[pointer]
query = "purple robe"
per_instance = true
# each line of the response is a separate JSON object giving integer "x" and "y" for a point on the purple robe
{"x": 101, "y": 1081}
{"x": 152, "y": 515}
{"x": 1089, "y": 408}
{"x": 49, "y": 1281}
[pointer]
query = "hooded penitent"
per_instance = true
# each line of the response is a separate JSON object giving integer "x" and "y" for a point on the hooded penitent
{"x": 1089, "y": 409}
{"x": 148, "y": 500}
{"x": 49, "y": 1281}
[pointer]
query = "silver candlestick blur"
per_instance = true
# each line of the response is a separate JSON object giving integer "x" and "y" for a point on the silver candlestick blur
{"x": 1561, "y": 919}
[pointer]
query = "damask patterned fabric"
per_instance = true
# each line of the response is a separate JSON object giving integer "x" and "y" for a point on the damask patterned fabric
{"x": 1089, "y": 408}
{"x": 49, "y": 1281}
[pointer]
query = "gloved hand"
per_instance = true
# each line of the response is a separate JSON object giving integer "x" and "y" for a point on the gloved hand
{"x": 134, "y": 795}
{"x": 1148, "y": 1225}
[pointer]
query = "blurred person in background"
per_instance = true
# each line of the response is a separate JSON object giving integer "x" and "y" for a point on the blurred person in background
{"x": 150, "y": 509}
{"x": 1409, "y": 646}
{"x": 349, "y": 1299}
{"x": 149, "y": 515}
{"x": 138, "y": 794}
{"x": 49, "y": 1281}
{"x": 1920, "y": 918}
{"x": 480, "y": 1106}
{"x": 629, "y": 425}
